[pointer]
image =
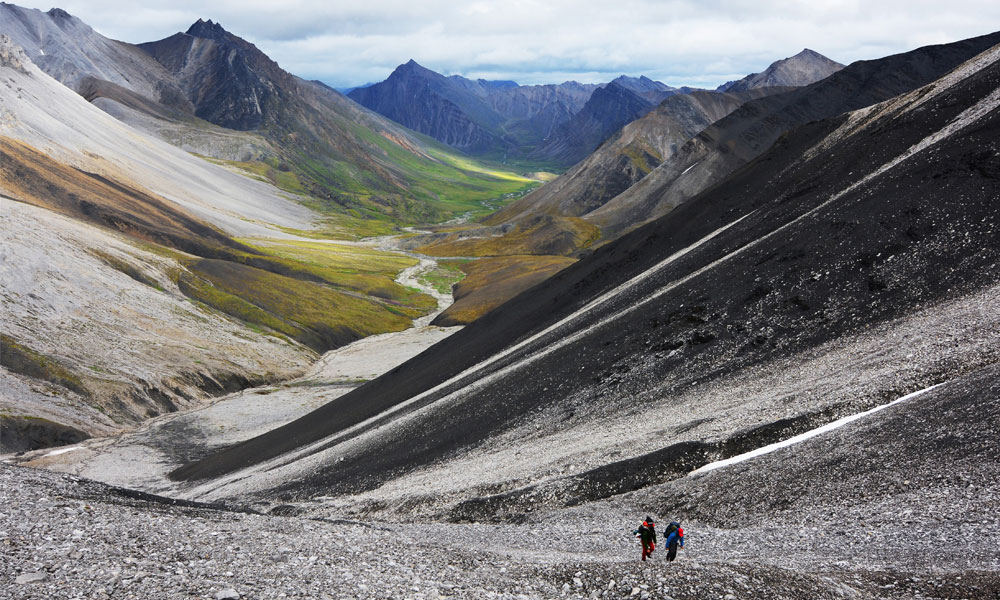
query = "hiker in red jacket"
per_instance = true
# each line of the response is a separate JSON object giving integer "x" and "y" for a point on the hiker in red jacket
{"x": 647, "y": 534}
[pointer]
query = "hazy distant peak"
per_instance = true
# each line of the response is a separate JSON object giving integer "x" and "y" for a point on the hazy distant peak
{"x": 641, "y": 84}
{"x": 808, "y": 66}
{"x": 808, "y": 53}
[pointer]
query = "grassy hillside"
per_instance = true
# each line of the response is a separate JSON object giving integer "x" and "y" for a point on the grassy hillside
{"x": 442, "y": 185}
{"x": 489, "y": 282}
{"x": 323, "y": 295}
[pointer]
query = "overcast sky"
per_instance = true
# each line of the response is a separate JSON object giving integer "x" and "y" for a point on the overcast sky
{"x": 681, "y": 42}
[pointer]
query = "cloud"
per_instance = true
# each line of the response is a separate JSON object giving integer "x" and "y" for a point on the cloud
{"x": 692, "y": 42}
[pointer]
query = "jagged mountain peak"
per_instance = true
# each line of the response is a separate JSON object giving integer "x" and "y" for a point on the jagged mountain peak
{"x": 207, "y": 29}
{"x": 58, "y": 13}
{"x": 641, "y": 84}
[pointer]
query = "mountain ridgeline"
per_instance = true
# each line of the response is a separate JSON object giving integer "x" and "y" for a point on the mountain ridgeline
{"x": 477, "y": 117}
{"x": 551, "y": 124}
{"x": 641, "y": 174}
{"x": 212, "y": 92}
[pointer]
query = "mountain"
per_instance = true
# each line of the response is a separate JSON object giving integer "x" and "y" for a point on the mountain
{"x": 534, "y": 111}
{"x": 816, "y": 282}
{"x": 654, "y": 91}
{"x": 750, "y": 130}
{"x": 477, "y": 117}
{"x": 616, "y": 173}
{"x": 98, "y": 228}
{"x": 804, "y": 68}
{"x": 126, "y": 293}
{"x": 628, "y": 155}
{"x": 435, "y": 105}
{"x": 608, "y": 110}
{"x": 557, "y": 124}
{"x": 210, "y": 91}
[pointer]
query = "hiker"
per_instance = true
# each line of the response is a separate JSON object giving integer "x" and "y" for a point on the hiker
{"x": 675, "y": 536}
{"x": 647, "y": 535}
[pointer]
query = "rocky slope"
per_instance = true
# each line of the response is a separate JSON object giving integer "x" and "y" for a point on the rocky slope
{"x": 804, "y": 68}
{"x": 69, "y": 536}
{"x": 863, "y": 244}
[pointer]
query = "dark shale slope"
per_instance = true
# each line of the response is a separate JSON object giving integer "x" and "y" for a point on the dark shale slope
{"x": 843, "y": 225}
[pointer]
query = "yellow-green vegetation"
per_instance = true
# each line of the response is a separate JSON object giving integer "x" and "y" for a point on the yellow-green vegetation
{"x": 444, "y": 276}
{"x": 365, "y": 270}
{"x": 540, "y": 235}
{"x": 543, "y": 176}
{"x": 639, "y": 156}
{"x": 490, "y": 282}
{"x": 312, "y": 313}
{"x": 25, "y": 361}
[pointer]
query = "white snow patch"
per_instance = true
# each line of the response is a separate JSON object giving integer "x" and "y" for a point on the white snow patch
{"x": 805, "y": 436}
{"x": 691, "y": 167}
{"x": 64, "y": 450}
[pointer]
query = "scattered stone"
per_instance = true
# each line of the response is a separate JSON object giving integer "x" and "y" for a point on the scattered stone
{"x": 31, "y": 578}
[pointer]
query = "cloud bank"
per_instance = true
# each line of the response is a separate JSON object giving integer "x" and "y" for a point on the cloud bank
{"x": 680, "y": 42}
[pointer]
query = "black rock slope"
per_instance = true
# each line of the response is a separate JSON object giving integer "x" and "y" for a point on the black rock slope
{"x": 840, "y": 230}
{"x": 747, "y": 132}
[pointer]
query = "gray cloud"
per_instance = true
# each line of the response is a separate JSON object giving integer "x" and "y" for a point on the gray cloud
{"x": 680, "y": 42}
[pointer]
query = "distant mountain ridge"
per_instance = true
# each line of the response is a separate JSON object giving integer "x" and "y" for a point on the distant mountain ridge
{"x": 474, "y": 116}
{"x": 559, "y": 124}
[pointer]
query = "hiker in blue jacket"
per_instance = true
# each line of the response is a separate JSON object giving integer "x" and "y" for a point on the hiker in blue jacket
{"x": 675, "y": 537}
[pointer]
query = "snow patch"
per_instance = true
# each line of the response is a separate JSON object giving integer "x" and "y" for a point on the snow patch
{"x": 64, "y": 450}
{"x": 691, "y": 167}
{"x": 805, "y": 436}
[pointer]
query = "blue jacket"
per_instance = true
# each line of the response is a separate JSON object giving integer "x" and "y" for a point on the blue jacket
{"x": 674, "y": 538}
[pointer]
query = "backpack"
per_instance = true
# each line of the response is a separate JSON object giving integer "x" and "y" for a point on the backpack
{"x": 674, "y": 526}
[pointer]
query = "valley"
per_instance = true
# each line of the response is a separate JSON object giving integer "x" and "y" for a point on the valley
{"x": 452, "y": 336}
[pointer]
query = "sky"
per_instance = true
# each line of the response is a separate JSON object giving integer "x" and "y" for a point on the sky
{"x": 700, "y": 43}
